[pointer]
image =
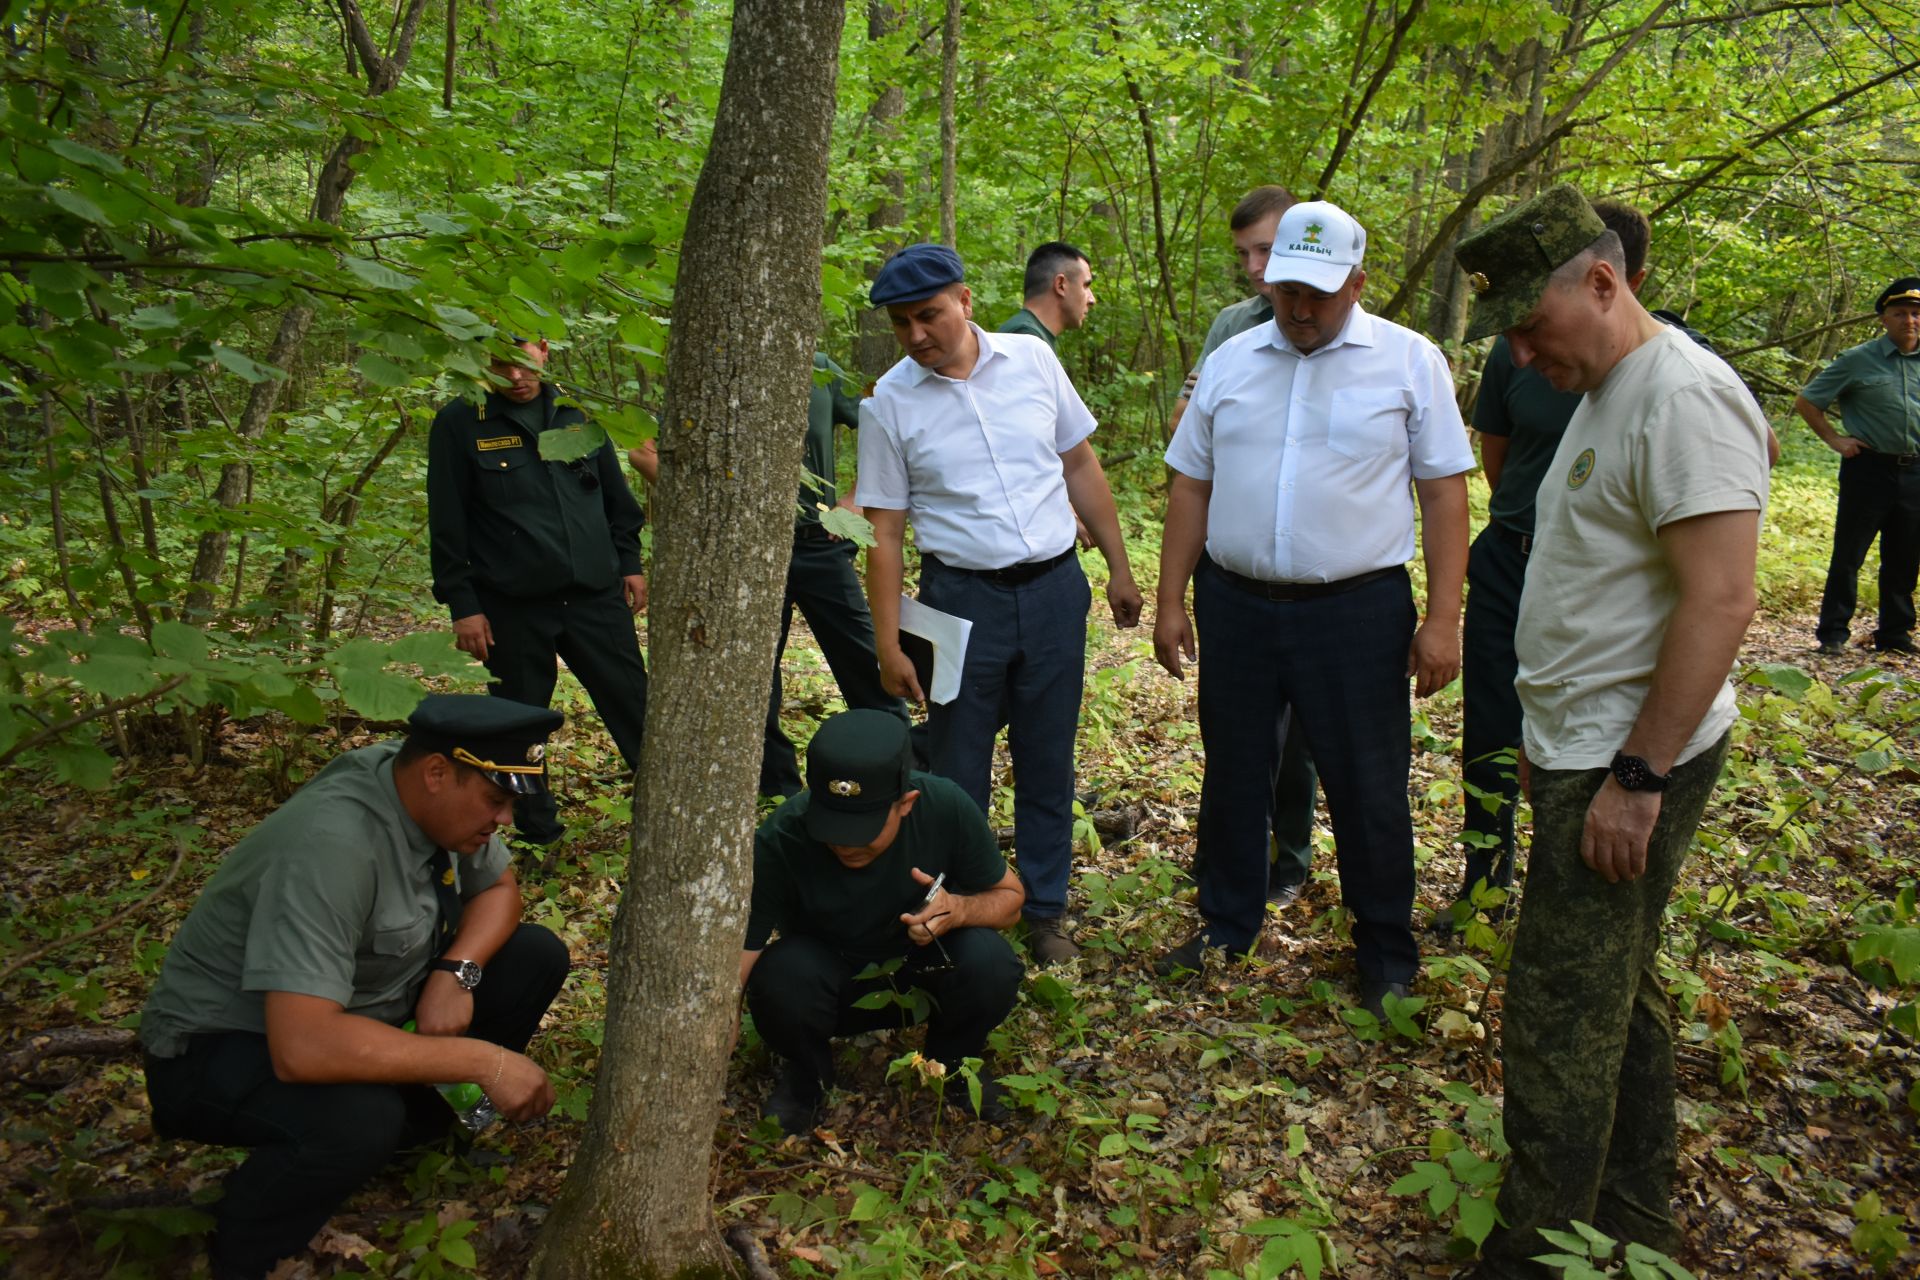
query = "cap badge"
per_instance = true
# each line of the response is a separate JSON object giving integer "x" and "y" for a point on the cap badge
{"x": 844, "y": 787}
{"x": 1313, "y": 233}
{"x": 536, "y": 753}
{"x": 1478, "y": 282}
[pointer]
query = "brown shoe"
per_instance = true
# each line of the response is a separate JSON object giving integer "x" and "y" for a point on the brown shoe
{"x": 1048, "y": 941}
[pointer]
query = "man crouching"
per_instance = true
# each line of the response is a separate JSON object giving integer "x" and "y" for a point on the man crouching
{"x": 873, "y": 863}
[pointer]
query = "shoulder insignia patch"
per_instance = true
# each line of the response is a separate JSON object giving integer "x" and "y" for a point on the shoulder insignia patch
{"x": 1582, "y": 468}
{"x": 500, "y": 442}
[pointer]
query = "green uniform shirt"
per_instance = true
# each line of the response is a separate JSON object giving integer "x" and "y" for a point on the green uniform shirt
{"x": 1521, "y": 406}
{"x": 505, "y": 521}
{"x": 331, "y": 896}
{"x": 826, "y": 405}
{"x": 1234, "y": 320}
{"x": 1024, "y": 321}
{"x": 1878, "y": 390}
{"x": 801, "y": 889}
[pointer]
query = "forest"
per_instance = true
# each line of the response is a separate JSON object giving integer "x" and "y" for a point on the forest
{"x": 248, "y": 248}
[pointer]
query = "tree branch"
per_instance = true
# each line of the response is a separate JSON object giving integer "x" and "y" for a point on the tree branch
{"x": 1351, "y": 128}
{"x": 59, "y": 727}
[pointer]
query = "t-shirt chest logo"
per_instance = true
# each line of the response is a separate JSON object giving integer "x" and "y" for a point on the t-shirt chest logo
{"x": 1582, "y": 468}
{"x": 498, "y": 442}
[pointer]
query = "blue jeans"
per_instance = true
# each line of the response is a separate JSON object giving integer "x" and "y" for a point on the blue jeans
{"x": 1027, "y": 656}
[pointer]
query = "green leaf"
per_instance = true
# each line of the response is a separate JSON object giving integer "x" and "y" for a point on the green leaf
{"x": 1783, "y": 679}
{"x": 1476, "y": 1218}
{"x": 850, "y": 525}
{"x": 882, "y": 999}
{"x": 57, "y": 277}
{"x": 1424, "y": 1176}
{"x": 302, "y": 706}
{"x": 116, "y": 671}
{"x": 458, "y": 1251}
{"x": 867, "y": 1205}
{"x": 1873, "y": 761}
{"x": 362, "y": 655}
{"x": 1898, "y": 947}
{"x": 378, "y": 274}
{"x": 147, "y": 319}
{"x": 570, "y": 443}
{"x": 380, "y": 371}
{"x": 81, "y": 764}
{"x": 79, "y": 206}
{"x": 86, "y": 156}
{"x": 1113, "y": 1144}
{"x": 178, "y": 640}
{"x": 439, "y": 224}
{"x": 244, "y": 365}
{"x": 433, "y": 652}
{"x": 379, "y": 695}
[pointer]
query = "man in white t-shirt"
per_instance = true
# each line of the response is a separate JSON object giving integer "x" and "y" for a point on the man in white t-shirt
{"x": 982, "y": 441}
{"x": 1638, "y": 593}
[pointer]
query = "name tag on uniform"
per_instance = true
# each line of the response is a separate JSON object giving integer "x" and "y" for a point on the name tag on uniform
{"x": 500, "y": 442}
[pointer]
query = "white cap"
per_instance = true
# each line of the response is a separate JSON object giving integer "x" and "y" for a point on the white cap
{"x": 1317, "y": 244}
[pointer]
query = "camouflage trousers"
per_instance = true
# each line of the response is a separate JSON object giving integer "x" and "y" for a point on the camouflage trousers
{"x": 1587, "y": 1038}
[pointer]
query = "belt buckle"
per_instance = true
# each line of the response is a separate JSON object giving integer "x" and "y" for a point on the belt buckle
{"x": 1526, "y": 544}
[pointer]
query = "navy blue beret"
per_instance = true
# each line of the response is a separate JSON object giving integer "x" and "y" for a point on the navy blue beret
{"x": 917, "y": 271}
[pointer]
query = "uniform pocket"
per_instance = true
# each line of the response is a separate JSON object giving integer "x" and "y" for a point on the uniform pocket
{"x": 1365, "y": 421}
{"x": 393, "y": 957}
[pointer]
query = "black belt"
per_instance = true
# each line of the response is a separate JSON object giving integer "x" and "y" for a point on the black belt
{"x": 1522, "y": 542}
{"x": 1014, "y": 574}
{"x": 1897, "y": 459}
{"x": 1291, "y": 591}
{"x": 811, "y": 531}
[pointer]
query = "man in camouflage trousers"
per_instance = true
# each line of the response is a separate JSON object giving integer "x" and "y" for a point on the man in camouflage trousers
{"x": 1638, "y": 592}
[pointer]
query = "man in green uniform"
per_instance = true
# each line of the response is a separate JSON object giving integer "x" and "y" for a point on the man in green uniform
{"x": 378, "y": 894}
{"x": 876, "y": 866}
{"x": 1059, "y": 293}
{"x": 537, "y": 560}
{"x": 1877, "y": 386}
{"x": 1252, "y": 224}
{"x": 821, "y": 580}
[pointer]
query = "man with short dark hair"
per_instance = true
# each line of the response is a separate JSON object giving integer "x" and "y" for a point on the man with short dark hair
{"x": 1877, "y": 388}
{"x": 1059, "y": 293}
{"x": 380, "y": 893}
{"x": 538, "y": 560}
{"x": 1296, "y": 470}
{"x": 876, "y": 866}
{"x": 982, "y": 439}
{"x": 1638, "y": 591}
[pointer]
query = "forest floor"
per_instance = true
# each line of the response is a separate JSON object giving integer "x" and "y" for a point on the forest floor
{"x": 1237, "y": 1123}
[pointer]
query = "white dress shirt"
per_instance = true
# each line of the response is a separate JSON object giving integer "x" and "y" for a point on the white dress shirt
{"x": 1311, "y": 455}
{"x": 975, "y": 461}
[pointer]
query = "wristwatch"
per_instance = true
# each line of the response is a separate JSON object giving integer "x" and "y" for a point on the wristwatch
{"x": 1635, "y": 774}
{"x": 466, "y": 971}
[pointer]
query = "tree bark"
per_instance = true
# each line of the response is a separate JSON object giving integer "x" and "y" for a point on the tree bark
{"x": 740, "y": 368}
{"x": 329, "y": 198}
{"x": 949, "y": 127}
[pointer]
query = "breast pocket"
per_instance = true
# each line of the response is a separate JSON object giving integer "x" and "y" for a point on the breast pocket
{"x": 1365, "y": 421}
{"x": 392, "y": 958}
{"x": 511, "y": 471}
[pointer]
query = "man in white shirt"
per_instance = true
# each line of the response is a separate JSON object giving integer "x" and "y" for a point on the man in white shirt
{"x": 983, "y": 441}
{"x": 1293, "y": 468}
{"x": 1638, "y": 592}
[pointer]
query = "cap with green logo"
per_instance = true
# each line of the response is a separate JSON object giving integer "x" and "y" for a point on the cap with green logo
{"x": 1509, "y": 261}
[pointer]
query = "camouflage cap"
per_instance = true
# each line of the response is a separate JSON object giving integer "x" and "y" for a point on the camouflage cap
{"x": 1509, "y": 260}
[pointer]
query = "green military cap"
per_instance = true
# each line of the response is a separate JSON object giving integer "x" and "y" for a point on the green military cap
{"x": 1509, "y": 260}
{"x": 503, "y": 739}
{"x": 857, "y": 767}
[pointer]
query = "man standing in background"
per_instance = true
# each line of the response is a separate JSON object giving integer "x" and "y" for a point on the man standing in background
{"x": 1059, "y": 293}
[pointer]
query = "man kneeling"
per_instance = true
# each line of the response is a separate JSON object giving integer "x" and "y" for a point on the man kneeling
{"x": 378, "y": 894}
{"x": 876, "y": 862}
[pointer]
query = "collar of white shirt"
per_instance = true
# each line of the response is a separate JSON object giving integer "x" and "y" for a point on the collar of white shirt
{"x": 920, "y": 373}
{"x": 1358, "y": 331}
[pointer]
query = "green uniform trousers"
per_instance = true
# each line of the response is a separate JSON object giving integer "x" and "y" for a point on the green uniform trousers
{"x": 1588, "y": 1034}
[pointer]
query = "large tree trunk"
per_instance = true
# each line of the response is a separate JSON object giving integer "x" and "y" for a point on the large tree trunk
{"x": 739, "y": 371}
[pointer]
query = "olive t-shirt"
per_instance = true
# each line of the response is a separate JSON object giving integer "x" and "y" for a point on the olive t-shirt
{"x": 331, "y": 896}
{"x": 1024, "y": 321}
{"x": 801, "y": 889}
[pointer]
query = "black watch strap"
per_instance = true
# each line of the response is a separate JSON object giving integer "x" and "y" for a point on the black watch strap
{"x": 1635, "y": 774}
{"x": 466, "y": 971}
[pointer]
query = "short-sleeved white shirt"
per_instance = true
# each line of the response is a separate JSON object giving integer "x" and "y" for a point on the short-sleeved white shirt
{"x": 1670, "y": 434}
{"x": 1311, "y": 455}
{"x": 975, "y": 461}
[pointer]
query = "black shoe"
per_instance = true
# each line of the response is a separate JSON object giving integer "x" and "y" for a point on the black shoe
{"x": 994, "y": 1110}
{"x": 794, "y": 1101}
{"x": 1832, "y": 649}
{"x": 1186, "y": 956}
{"x": 1903, "y": 645}
{"x": 1374, "y": 993}
{"x": 1285, "y": 895}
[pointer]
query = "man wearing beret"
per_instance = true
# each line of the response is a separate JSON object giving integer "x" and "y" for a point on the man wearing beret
{"x": 880, "y": 880}
{"x": 1638, "y": 591}
{"x": 538, "y": 560}
{"x": 1520, "y": 418}
{"x": 983, "y": 441}
{"x": 1296, "y": 469}
{"x": 1877, "y": 388}
{"x": 379, "y": 894}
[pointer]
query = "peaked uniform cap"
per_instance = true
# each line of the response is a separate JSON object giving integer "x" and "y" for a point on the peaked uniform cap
{"x": 1509, "y": 261}
{"x": 503, "y": 739}
{"x": 857, "y": 767}
{"x": 1905, "y": 289}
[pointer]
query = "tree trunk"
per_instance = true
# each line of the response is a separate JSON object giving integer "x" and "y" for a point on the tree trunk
{"x": 876, "y": 351}
{"x": 739, "y": 371}
{"x": 949, "y": 128}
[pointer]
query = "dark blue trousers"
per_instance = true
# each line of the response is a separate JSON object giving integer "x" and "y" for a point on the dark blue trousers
{"x": 1026, "y": 658}
{"x": 1490, "y": 709}
{"x": 1878, "y": 499}
{"x": 1340, "y": 661}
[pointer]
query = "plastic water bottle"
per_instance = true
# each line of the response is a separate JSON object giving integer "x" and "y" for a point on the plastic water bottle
{"x": 468, "y": 1100}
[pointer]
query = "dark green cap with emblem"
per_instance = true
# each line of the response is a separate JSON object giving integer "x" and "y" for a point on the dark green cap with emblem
{"x": 1509, "y": 261}
{"x": 503, "y": 739}
{"x": 857, "y": 767}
